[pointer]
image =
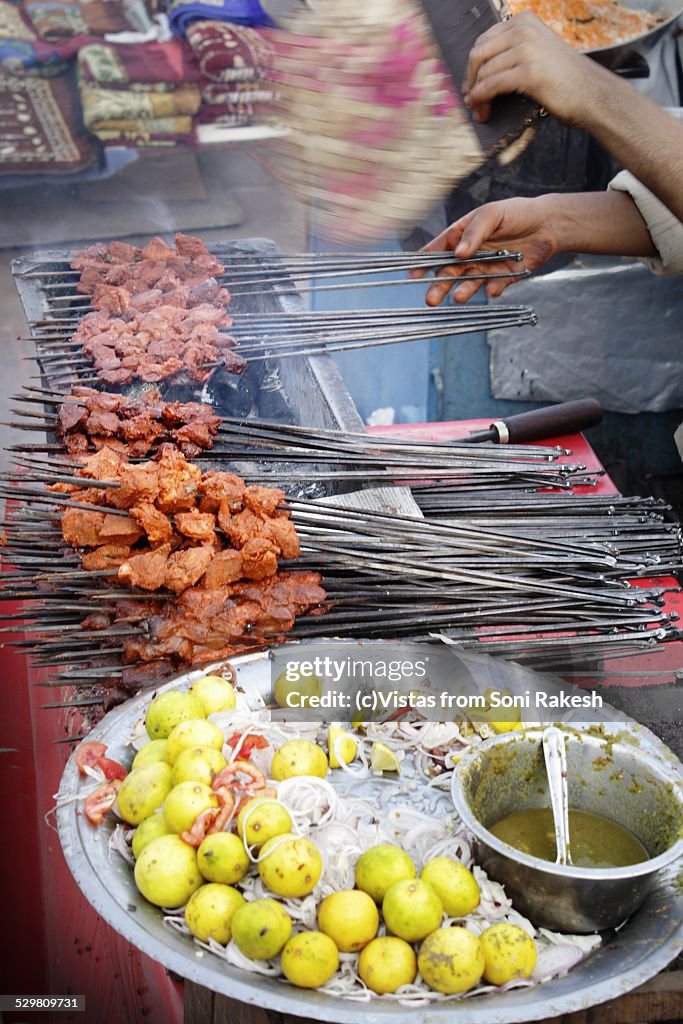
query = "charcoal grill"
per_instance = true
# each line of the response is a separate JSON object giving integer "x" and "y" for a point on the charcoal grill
{"x": 307, "y": 390}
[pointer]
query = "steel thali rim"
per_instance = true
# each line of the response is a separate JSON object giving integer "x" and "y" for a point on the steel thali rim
{"x": 650, "y": 940}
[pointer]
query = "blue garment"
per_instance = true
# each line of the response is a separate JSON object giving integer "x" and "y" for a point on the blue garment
{"x": 182, "y": 13}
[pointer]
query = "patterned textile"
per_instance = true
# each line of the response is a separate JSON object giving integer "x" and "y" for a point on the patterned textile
{"x": 130, "y": 65}
{"x": 139, "y": 94}
{"x": 181, "y": 13}
{"x": 40, "y": 127}
{"x": 54, "y": 20}
{"x": 21, "y": 52}
{"x": 228, "y": 53}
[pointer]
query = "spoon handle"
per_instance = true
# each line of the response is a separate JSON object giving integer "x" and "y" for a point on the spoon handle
{"x": 556, "y": 766}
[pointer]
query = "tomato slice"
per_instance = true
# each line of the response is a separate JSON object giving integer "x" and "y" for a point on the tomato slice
{"x": 88, "y": 754}
{"x": 250, "y": 744}
{"x": 112, "y": 769}
{"x": 102, "y": 800}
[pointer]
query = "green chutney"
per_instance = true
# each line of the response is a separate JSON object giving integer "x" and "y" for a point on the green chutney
{"x": 594, "y": 841}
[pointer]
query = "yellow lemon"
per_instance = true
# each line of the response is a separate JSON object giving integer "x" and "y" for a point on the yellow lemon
{"x": 261, "y": 819}
{"x": 290, "y": 866}
{"x": 341, "y": 745}
{"x": 350, "y": 918}
{"x": 261, "y": 928}
{"x": 185, "y": 802}
{"x": 214, "y": 693}
{"x": 455, "y": 886}
{"x": 166, "y": 872}
{"x": 194, "y": 733}
{"x": 296, "y": 691}
{"x": 379, "y": 867}
{"x": 508, "y": 953}
{"x": 386, "y": 964}
{"x": 151, "y": 753}
{"x": 298, "y": 757}
{"x": 451, "y": 960}
{"x": 411, "y": 909}
{"x": 309, "y": 959}
{"x": 143, "y": 791}
{"x": 148, "y": 830}
{"x": 210, "y": 911}
{"x": 197, "y": 764}
{"x": 168, "y": 710}
{"x": 222, "y": 858}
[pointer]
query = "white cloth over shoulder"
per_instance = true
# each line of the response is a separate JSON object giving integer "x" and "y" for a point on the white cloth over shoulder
{"x": 666, "y": 230}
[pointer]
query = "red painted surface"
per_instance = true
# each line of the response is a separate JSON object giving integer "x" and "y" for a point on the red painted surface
{"x": 59, "y": 944}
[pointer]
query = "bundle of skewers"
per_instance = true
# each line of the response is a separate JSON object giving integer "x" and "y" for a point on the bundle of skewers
{"x": 134, "y": 570}
{"x": 119, "y": 314}
{"x": 146, "y": 535}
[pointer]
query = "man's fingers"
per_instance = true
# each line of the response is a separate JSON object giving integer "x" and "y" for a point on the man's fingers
{"x": 443, "y": 283}
{"x": 466, "y": 290}
{"x": 480, "y": 228}
{"x": 486, "y": 46}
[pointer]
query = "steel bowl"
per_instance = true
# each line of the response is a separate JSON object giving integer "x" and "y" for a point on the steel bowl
{"x": 607, "y": 777}
{"x": 616, "y": 54}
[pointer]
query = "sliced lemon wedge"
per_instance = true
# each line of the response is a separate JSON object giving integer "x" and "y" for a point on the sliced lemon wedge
{"x": 382, "y": 759}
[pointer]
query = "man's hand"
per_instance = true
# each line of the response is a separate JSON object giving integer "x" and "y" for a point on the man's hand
{"x": 523, "y": 55}
{"x": 514, "y": 224}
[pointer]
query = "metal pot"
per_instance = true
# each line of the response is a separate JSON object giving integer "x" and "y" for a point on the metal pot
{"x": 613, "y": 56}
{"x": 606, "y": 777}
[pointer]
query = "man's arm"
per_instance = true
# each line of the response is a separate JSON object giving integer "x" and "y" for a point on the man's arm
{"x": 523, "y": 55}
{"x": 607, "y": 223}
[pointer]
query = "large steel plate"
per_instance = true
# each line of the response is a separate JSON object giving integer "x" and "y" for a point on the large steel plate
{"x": 646, "y": 944}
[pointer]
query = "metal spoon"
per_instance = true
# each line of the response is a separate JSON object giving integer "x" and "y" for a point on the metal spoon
{"x": 555, "y": 755}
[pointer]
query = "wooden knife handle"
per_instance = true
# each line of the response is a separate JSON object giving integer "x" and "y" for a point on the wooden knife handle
{"x": 551, "y": 421}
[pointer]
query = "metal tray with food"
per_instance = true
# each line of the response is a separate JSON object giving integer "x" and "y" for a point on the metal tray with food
{"x": 343, "y": 812}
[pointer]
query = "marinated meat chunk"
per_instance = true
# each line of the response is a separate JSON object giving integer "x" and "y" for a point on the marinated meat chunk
{"x": 146, "y": 571}
{"x": 80, "y": 528}
{"x": 259, "y": 559}
{"x": 156, "y": 249}
{"x": 225, "y": 567}
{"x": 103, "y": 465}
{"x": 282, "y": 533}
{"x": 263, "y": 500}
{"x": 97, "y": 621}
{"x": 76, "y": 444}
{"x": 112, "y": 444}
{"x": 122, "y": 252}
{"x": 196, "y": 525}
{"x": 139, "y": 649}
{"x": 108, "y": 556}
{"x": 137, "y": 484}
{"x": 233, "y": 362}
{"x": 104, "y": 424}
{"x": 195, "y": 436}
{"x": 140, "y": 428}
{"x": 239, "y": 528}
{"x": 156, "y": 525}
{"x": 178, "y": 483}
{"x": 102, "y": 401}
{"x": 118, "y": 529}
{"x": 218, "y": 490}
{"x": 111, "y": 298}
{"x": 71, "y": 417}
{"x": 144, "y": 301}
{"x": 122, "y": 376}
{"x": 185, "y": 568}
